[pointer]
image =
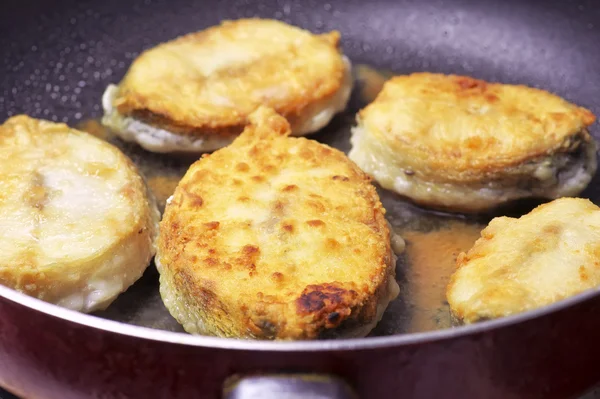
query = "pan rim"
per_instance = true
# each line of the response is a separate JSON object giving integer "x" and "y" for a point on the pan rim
{"x": 178, "y": 338}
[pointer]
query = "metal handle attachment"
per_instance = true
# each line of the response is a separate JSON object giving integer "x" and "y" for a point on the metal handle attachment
{"x": 287, "y": 386}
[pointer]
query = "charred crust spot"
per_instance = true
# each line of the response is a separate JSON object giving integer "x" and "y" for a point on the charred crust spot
{"x": 277, "y": 277}
{"x": 198, "y": 176}
{"x": 242, "y": 167}
{"x": 341, "y": 178}
{"x": 327, "y": 298}
{"x": 332, "y": 244}
{"x": 316, "y": 223}
{"x": 269, "y": 168}
{"x": 206, "y": 297}
{"x": 140, "y": 231}
{"x": 467, "y": 83}
{"x": 315, "y": 301}
{"x": 461, "y": 259}
{"x": 203, "y": 291}
{"x": 254, "y": 151}
{"x": 552, "y": 229}
{"x": 243, "y": 198}
{"x": 250, "y": 250}
{"x": 237, "y": 182}
{"x": 306, "y": 153}
{"x": 288, "y": 227}
{"x": 333, "y": 317}
{"x": 325, "y": 151}
{"x": 492, "y": 98}
{"x": 212, "y": 225}
{"x": 258, "y": 178}
{"x": 291, "y": 187}
{"x": 267, "y": 328}
{"x": 212, "y": 251}
{"x": 193, "y": 199}
{"x": 211, "y": 262}
{"x": 250, "y": 254}
{"x": 583, "y": 274}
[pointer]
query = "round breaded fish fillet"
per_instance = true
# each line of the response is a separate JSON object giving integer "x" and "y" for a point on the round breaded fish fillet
{"x": 194, "y": 94}
{"x": 275, "y": 237}
{"x": 522, "y": 264}
{"x": 462, "y": 144}
{"x": 78, "y": 225}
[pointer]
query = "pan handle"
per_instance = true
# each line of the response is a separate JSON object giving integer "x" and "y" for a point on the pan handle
{"x": 287, "y": 386}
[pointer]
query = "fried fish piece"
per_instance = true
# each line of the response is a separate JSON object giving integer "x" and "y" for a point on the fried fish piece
{"x": 194, "y": 94}
{"x": 549, "y": 254}
{"x": 462, "y": 144}
{"x": 78, "y": 224}
{"x": 275, "y": 237}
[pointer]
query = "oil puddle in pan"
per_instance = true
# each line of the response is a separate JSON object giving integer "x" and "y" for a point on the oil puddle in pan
{"x": 433, "y": 239}
{"x": 431, "y": 260}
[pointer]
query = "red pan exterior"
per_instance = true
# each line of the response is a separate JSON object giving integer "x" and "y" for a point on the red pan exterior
{"x": 553, "y": 356}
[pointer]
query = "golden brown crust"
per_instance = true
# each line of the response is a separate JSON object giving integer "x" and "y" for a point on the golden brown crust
{"x": 208, "y": 82}
{"x": 457, "y": 129}
{"x": 79, "y": 224}
{"x": 274, "y": 237}
{"x": 522, "y": 264}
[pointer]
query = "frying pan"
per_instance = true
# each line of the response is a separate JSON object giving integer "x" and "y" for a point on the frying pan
{"x": 59, "y": 56}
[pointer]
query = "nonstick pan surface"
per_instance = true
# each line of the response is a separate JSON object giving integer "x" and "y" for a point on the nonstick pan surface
{"x": 59, "y": 56}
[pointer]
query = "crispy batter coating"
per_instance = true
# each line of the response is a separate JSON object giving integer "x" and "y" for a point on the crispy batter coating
{"x": 275, "y": 237}
{"x": 207, "y": 83}
{"x": 454, "y": 128}
{"x": 436, "y": 136}
{"x": 522, "y": 264}
{"x": 78, "y": 225}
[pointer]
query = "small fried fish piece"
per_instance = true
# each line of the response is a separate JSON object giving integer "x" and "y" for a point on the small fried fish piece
{"x": 521, "y": 264}
{"x": 78, "y": 223}
{"x": 194, "y": 93}
{"x": 461, "y": 144}
{"x": 275, "y": 237}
